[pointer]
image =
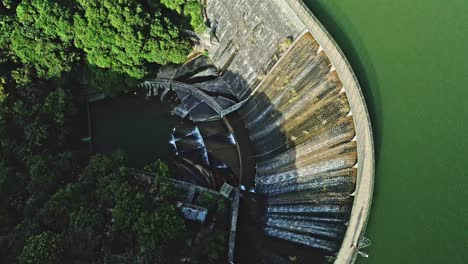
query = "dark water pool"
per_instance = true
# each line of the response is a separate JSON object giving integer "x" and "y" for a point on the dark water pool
{"x": 139, "y": 127}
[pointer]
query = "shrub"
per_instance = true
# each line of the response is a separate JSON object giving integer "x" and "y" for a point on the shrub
{"x": 3, "y": 95}
{"x": 44, "y": 248}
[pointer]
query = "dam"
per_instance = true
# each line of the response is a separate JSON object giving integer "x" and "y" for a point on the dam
{"x": 273, "y": 108}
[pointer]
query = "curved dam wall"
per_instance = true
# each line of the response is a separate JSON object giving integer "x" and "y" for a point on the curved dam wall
{"x": 306, "y": 117}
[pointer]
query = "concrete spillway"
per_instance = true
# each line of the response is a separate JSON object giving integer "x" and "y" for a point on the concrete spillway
{"x": 302, "y": 135}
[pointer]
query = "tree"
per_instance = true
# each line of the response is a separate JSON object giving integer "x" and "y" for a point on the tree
{"x": 191, "y": 9}
{"x": 127, "y": 37}
{"x": 3, "y": 95}
{"x": 159, "y": 169}
{"x": 41, "y": 249}
{"x": 10, "y": 4}
{"x": 42, "y": 37}
{"x": 107, "y": 81}
{"x": 156, "y": 229}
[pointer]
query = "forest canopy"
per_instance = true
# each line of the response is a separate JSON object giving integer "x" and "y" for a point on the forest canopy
{"x": 127, "y": 36}
{"x": 58, "y": 203}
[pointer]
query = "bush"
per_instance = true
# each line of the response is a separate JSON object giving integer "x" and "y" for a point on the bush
{"x": 87, "y": 220}
{"x": 155, "y": 229}
{"x": 193, "y": 9}
{"x": 42, "y": 179}
{"x": 3, "y": 95}
{"x": 175, "y": 5}
{"x": 159, "y": 169}
{"x": 44, "y": 248}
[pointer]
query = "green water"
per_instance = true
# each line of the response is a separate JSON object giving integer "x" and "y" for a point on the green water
{"x": 138, "y": 127}
{"x": 411, "y": 58}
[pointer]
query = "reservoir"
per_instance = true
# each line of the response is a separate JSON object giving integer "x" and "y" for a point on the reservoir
{"x": 411, "y": 59}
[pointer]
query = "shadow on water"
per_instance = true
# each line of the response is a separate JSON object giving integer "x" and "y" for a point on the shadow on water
{"x": 118, "y": 120}
{"x": 360, "y": 61}
{"x": 134, "y": 125}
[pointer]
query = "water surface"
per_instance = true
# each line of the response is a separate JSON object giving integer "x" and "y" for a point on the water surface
{"x": 411, "y": 58}
{"x": 139, "y": 127}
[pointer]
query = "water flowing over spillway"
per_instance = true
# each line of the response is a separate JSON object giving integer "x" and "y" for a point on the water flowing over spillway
{"x": 302, "y": 135}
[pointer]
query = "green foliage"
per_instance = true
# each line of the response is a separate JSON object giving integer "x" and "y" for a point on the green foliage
{"x": 155, "y": 229}
{"x": 55, "y": 213}
{"x": 55, "y": 105}
{"x": 42, "y": 179}
{"x": 126, "y": 37}
{"x": 193, "y": 9}
{"x": 3, "y": 95}
{"x": 51, "y": 17}
{"x": 207, "y": 199}
{"x": 10, "y": 4}
{"x": 107, "y": 81}
{"x": 39, "y": 112}
{"x": 100, "y": 167}
{"x": 175, "y": 5}
{"x": 42, "y": 182}
{"x": 7, "y": 25}
{"x": 206, "y": 53}
{"x": 159, "y": 169}
{"x": 49, "y": 59}
{"x": 86, "y": 219}
{"x": 129, "y": 205}
{"x": 222, "y": 207}
{"x": 42, "y": 37}
{"x": 7, "y": 3}
{"x": 330, "y": 259}
{"x": 133, "y": 210}
{"x": 44, "y": 248}
{"x": 22, "y": 76}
